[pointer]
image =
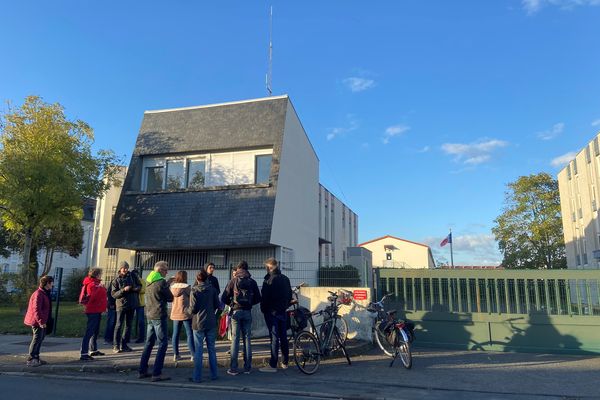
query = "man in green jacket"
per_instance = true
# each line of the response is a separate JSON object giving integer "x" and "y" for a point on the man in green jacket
{"x": 157, "y": 296}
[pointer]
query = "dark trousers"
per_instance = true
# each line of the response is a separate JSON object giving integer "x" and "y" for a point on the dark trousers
{"x": 111, "y": 319}
{"x": 157, "y": 330}
{"x": 124, "y": 317}
{"x": 277, "y": 324}
{"x": 36, "y": 342}
{"x": 140, "y": 323}
{"x": 89, "y": 342}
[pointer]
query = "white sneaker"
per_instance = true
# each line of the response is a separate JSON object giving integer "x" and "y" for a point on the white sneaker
{"x": 284, "y": 366}
{"x": 267, "y": 369}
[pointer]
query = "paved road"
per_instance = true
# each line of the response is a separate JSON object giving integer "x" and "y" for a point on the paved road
{"x": 76, "y": 388}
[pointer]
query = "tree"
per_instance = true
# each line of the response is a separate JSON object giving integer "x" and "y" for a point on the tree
{"x": 66, "y": 238}
{"x": 529, "y": 231}
{"x": 47, "y": 170}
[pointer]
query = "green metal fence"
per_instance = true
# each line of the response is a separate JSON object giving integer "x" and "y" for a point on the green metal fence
{"x": 516, "y": 310}
{"x": 555, "y": 292}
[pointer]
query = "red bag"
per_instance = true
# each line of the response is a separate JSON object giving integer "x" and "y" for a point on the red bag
{"x": 223, "y": 325}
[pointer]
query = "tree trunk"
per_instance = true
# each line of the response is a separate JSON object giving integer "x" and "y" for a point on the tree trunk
{"x": 27, "y": 257}
{"x": 48, "y": 261}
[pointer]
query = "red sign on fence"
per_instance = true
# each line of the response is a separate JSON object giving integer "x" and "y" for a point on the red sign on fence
{"x": 359, "y": 295}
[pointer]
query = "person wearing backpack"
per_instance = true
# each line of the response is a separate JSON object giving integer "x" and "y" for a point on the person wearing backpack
{"x": 93, "y": 298}
{"x": 276, "y": 298}
{"x": 241, "y": 294}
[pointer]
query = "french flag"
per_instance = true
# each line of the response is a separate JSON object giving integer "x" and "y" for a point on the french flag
{"x": 447, "y": 239}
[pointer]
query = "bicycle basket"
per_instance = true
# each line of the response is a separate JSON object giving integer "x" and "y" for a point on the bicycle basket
{"x": 301, "y": 318}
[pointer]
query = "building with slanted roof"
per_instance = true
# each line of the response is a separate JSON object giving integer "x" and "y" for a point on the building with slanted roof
{"x": 223, "y": 183}
{"x": 393, "y": 252}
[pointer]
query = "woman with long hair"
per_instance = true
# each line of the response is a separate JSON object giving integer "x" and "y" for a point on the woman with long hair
{"x": 181, "y": 300}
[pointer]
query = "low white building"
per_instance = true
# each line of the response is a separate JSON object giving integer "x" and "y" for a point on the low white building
{"x": 393, "y": 252}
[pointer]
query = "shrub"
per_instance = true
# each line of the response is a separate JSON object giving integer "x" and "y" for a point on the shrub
{"x": 343, "y": 275}
{"x": 72, "y": 284}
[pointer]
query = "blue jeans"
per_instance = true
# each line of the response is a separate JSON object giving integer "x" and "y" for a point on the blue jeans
{"x": 157, "y": 329}
{"x": 241, "y": 320}
{"x": 199, "y": 336}
{"x": 89, "y": 341}
{"x": 277, "y": 324}
{"x": 187, "y": 324}
{"x": 111, "y": 320}
{"x": 140, "y": 323}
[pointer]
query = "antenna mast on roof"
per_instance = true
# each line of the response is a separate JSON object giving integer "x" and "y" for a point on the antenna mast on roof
{"x": 269, "y": 77}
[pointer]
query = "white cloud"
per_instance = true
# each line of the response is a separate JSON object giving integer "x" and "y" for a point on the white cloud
{"x": 356, "y": 84}
{"x": 563, "y": 160}
{"x": 556, "y": 130}
{"x": 596, "y": 122}
{"x": 533, "y": 6}
{"x": 424, "y": 149}
{"x": 470, "y": 249}
{"x": 394, "y": 130}
{"x": 352, "y": 125}
{"x": 473, "y": 153}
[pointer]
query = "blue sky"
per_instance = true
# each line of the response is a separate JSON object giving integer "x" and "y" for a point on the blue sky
{"x": 420, "y": 111}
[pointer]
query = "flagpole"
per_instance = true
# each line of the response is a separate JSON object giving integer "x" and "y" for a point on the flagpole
{"x": 451, "y": 254}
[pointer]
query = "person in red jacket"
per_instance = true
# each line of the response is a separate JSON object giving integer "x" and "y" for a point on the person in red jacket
{"x": 37, "y": 317}
{"x": 95, "y": 306}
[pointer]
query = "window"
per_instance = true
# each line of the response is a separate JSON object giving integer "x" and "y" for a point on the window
{"x": 568, "y": 172}
{"x": 175, "y": 176}
{"x": 588, "y": 158}
{"x": 196, "y": 174}
{"x": 154, "y": 178}
{"x": 596, "y": 147}
{"x": 575, "y": 167}
{"x": 263, "y": 168}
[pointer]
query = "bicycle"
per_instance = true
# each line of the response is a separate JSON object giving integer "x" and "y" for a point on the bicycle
{"x": 309, "y": 348}
{"x": 298, "y": 316}
{"x": 393, "y": 336}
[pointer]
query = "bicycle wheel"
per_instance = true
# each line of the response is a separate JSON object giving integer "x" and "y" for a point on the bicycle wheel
{"x": 307, "y": 354}
{"x": 342, "y": 325}
{"x": 403, "y": 351}
{"x": 382, "y": 341}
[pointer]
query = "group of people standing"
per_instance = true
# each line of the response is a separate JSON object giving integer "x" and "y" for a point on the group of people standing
{"x": 196, "y": 307}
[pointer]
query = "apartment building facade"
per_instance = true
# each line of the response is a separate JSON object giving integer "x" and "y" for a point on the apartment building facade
{"x": 578, "y": 184}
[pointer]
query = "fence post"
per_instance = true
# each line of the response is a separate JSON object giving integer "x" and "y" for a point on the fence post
{"x": 59, "y": 271}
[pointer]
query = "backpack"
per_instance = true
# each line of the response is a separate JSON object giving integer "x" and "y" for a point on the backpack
{"x": 243, "y": 295}
{"x": 84, "y": 297}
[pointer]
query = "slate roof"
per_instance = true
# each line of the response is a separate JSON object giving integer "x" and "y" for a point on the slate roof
{"x": 231, "y": 217}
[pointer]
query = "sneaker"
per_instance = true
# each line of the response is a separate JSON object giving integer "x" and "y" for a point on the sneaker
{"x": 232, "y": 372}
{"x": 160, "y": 378}
{"x": 117, "y": 350}
{"x": 85, "y": 357}
{"x": 126, "y": 348}
{"x": 144, "y": 375}
{"x": 42, "y": 362}
{"x": 96, "y": 353}
{"x": 191, "y": 380}
{"x": 247, "y": 372}
{"x": 284, "y": 366}
{"x": 267, "y": 369}
{"x": 34, "y": 362}
{"x": 176, "y": 357}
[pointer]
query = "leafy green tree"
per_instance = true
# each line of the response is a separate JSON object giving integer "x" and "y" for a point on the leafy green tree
{"x": 529, "y": 231}
{"x": 47, "y": 170}
{"x": 67, "y": 238}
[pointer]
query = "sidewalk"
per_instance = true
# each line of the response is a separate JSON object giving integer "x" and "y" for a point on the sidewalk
{"x": 62, "y": 354}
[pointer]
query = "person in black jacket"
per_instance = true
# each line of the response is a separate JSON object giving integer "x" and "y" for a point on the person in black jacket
{"x": 276, "y": 298}
{"x": 125, "y": 289}
{"x": 241, "y": 294}
{"x": 158, "y": 295}
{"x": 211, "y": 279}
{"x": 204, "y": 302}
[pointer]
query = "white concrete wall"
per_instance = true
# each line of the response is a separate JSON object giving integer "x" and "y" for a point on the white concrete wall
{"x": 359, "y": 319}
{"x": 295, "y": 219}
{"x": 337, "y": 224}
